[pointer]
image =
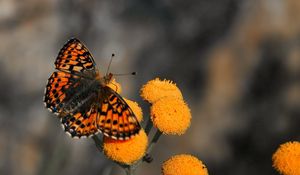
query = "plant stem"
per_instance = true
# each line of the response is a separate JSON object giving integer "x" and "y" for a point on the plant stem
{"x": 154, "y": 140}
{"x": 130, "y": 170}
{"x": 150, "y": 147}
{"x": 149, "y": 126}
{"x": 98, "y": 142}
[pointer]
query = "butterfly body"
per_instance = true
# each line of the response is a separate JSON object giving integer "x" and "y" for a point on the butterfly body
{"x": 79, "y": 95}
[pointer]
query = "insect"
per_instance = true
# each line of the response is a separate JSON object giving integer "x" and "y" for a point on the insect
{"x": 78, "y": 94}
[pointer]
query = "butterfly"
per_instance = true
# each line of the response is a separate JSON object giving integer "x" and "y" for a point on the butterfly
{"x": 78, "y": 94}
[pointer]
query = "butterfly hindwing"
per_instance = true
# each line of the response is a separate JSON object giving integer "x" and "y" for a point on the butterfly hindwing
{"x": 59, "y": 87}
{"x": 116, "y": 119}
{"x": 81, "y": 124}
{"x": 113, "y": 117}
{"x": 74, "y": 57}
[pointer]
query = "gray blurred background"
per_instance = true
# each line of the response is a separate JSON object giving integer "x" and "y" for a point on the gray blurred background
{"x": 237, "y": 63}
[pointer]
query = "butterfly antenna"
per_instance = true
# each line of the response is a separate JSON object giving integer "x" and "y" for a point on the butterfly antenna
{"x": 132, "y": 73}
{"x": 111, "y": 58}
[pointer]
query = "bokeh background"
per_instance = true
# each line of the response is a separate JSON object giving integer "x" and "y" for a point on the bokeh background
{"x": 237, "y": 63}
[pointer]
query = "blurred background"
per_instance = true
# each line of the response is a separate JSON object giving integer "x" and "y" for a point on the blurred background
{"x": 237, "y": 63}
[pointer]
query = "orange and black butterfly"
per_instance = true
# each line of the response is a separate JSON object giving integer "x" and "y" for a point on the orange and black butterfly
{"x": 79, "y": 95}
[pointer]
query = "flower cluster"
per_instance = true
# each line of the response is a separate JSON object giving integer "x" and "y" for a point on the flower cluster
{"x": 171, "y": 116}
{"x": 169, "y": 113}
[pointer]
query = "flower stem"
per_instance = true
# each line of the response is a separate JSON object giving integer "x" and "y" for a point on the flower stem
{"x": 154, "y": 140}
{"x": 150, "y": 147}
{"x": 148, "y": 126}
{"x": 98, "y": 142}
{"x": 130, "y": 170}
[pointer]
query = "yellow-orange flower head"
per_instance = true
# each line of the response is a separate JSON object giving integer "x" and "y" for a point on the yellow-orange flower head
{"x": 170, "y": 115}
{"x": 126, "y": 151}
{"x": 115, "y": 86}
{"x": 184, "y": 164}
{"x": 156, "y": 89}
{"x": 286, "y": 159}
{"x": 137, "y": 110}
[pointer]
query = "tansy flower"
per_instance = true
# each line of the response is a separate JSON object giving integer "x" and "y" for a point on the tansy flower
{"x": 137, "y": 110}
{"x": 286, "y": 159}
{"x": 156, "y": 89}
{"x": 127, "y": 151}
{"x": 115, "y": 86}
{"x": 184, "y": 164}
{"x": 170, "y": 115}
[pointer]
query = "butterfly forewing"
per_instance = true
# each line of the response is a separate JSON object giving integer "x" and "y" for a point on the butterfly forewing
{"x": 116, "y": 119}
{"x": 74, "y": 57}
{"x": 59, "y": 89}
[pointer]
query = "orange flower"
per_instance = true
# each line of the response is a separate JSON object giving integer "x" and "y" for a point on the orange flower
{"x": 126, "y": 151}
{"x": 171, "y": 115}
{"x": 286, "y": 159}
{"x": 155, "y": 89}
{"x": 115, "y": 86}
{"x": 184, "y": 164}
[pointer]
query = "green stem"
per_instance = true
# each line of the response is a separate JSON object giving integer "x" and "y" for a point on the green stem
{"x": 149, "y": 126}
{"x": 154, "y": 140}
{"x": 150, "y": 147}
{"x": 130, "y": 170}
{"x": 98, "y": 142}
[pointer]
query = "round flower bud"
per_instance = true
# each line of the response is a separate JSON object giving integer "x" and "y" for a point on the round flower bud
{"x": 286, "y": 159}
{"x": 155, "y": 89}
{"x": 126, "y": 151}
{"x": 184, "y": 164}
{"x": 170, "y": 115}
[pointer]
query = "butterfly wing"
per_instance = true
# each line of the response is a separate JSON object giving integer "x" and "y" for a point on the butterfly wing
{"x": 59, "y": 89}
{"x": 116, "y": 119}
{"x": 74, "y": 57}
{"x": 71, "y": 91}
{"x": 112, "y": 116}
{"x": 72, "y": 98}
{"x": 81, "y": 123}
{"x": 76, "y": 71}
